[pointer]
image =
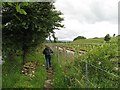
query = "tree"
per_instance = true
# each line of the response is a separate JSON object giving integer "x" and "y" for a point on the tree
{"x": 107, "y": 38}
{"x": 54, "y": 37}
{"x": 113, "y": 35}
{"x": 79, "y": 37}
{"x": 95, "y": 38}
{"x": 26, "y": 25}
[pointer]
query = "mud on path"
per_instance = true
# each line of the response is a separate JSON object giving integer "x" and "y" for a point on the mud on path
{"x": 49, "y": 80}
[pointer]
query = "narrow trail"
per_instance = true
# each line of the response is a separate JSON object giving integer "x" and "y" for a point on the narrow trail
{"x": 49, "y": 79}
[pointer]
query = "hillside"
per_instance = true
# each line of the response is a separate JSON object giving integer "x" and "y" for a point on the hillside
{"x": 94, "y": 41}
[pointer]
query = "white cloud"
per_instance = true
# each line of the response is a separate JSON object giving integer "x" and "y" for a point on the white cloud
{"x": 90, "y": 18}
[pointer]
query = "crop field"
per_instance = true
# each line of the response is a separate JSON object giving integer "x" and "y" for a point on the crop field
{"x": 88, "y": 65}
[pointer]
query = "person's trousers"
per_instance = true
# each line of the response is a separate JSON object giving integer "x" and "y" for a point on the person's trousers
{"x": 48, "y": 60}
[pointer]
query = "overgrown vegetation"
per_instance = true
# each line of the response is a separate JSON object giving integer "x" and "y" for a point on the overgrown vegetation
{"x": 107, "y": 38}
{"x": 102, "y": 63}
{"x": 12, "y": 76}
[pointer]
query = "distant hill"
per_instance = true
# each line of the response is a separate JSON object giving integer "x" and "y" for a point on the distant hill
{"x": 94, "y": 40}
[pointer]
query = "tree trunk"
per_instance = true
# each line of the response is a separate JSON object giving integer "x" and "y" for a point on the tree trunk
{"x": 11, "y": 56}
{"x": 24, "y": 55}
{"x": 53, "y": 34}
{"x": 50, "y": 38}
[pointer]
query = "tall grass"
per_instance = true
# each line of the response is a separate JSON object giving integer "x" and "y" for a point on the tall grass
{"x": 0, "y": 76}
{"x": 13, "y": 78}
{"x": 73, "y": 75}
{"x": 101, "y": 58}
{"x": 58, "y": 79}
{"x": 61, "y": 66}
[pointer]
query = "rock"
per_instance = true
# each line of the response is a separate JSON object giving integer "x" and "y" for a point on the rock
{"x": 29, "y": 68}
{"x": 33, "y": 71}
{"x": 43, "y": 65}
{"x": 48, "y": 81}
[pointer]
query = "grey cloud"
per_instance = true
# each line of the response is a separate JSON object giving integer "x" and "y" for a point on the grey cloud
{"x": 104, "y": 12}
{"x": 63, "y": 34}
{"x": 96, "y": 11}
{"x": 89, "y": 18}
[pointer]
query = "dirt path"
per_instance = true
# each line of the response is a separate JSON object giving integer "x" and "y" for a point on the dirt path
{"x": 49, "y": 80}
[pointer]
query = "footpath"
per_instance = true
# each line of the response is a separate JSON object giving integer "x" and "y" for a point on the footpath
{"x": 49, "y": 80}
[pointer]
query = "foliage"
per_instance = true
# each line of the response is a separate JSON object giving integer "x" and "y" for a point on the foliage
{"x": 79, "y": 37}
{"x": 99, "y": 57}
{"x": 113, "y": 35}
{"x": 102, "y": 67}
{"x": 12, "y": 76}
{"x": 69, "y": 74}
{"x": 95, "y": 38}
{"x": 59, "y": 75}
{"x": 89, "y": 41}
{"x": 107, "y": 38}
{"x": 26, "y": 25}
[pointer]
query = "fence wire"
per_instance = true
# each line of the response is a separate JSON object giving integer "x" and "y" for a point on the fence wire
{"x": 64, "y": 55}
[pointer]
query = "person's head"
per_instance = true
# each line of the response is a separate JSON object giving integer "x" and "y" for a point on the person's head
{"x": 46, "y": 46}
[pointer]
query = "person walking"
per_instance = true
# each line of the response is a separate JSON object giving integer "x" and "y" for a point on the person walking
{"x": 48, "y": 55}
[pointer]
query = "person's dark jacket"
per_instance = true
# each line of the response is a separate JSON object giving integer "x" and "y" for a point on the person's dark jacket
{"x": 47, "y": 51}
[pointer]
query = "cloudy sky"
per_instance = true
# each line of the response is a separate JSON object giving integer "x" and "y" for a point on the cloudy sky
{"x": 89, "y": 18}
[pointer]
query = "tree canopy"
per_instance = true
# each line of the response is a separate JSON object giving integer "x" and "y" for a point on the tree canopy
{"x": 107, "y": 38}
{"x": 26, "y": 25}
{"x": 79, "y": 37}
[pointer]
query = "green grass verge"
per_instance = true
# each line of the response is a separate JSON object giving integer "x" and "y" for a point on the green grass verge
{"x": 58, "y": 79}
{"x": 13, "y": 78}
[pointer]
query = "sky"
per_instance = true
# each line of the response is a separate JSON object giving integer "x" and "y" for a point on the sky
{"x": 88, "y": 18}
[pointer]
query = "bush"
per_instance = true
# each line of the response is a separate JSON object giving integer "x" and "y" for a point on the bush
{"x": 79, "y": 37}
{"x": 107, "y": 38}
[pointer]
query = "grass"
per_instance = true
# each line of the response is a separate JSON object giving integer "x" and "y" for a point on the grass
{"x": 89, "y": 41}
{"x": 58, "y": 79}
{"x": 13, "y": 78}
{"x": 0, "y": 76}
{"x": 60, "y": 67}
{"x": 73, "y": 78}
{"x": 68, "y": 71}
{"x": 10, "y": 73}
{"x": 94, "y": 41}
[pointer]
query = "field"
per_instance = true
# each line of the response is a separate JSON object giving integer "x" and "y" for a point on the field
{"x": 95, "y": 63}
{"x": 90, "y": 63}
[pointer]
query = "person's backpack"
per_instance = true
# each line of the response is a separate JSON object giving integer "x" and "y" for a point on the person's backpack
{"x": 47, "y": 51}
